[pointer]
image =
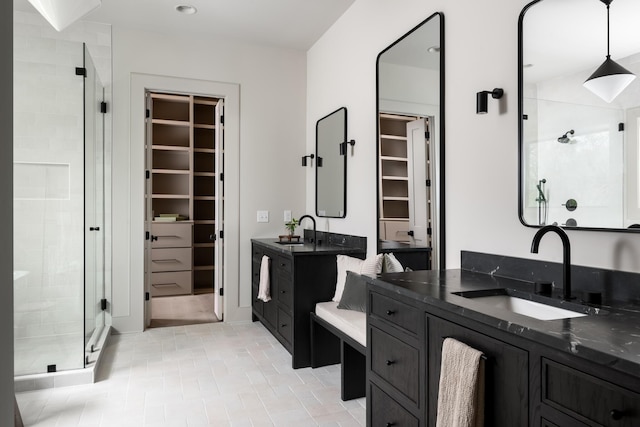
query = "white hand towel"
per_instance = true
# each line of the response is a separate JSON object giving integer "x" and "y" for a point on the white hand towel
{"x": 461, "y": 392}
{"x": 264, "y": 289}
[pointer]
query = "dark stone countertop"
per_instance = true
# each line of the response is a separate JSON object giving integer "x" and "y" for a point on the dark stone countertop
{"x": 609, "y": 336}
{"x": 307, "y": 248}
{"x": 389, "y": 245}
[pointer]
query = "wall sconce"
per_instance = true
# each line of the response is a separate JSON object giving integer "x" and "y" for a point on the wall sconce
{"x": 343, "y": 146}
{"x": 61, "y": 14}
{"x": 304, "y": 159}
{"x": 482, "y": 99}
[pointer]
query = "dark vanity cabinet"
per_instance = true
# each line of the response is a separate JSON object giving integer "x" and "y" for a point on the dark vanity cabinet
{"x": 300, "y": 277}
{"x": 395, "y": 362}
{"x": 527, "y": 383}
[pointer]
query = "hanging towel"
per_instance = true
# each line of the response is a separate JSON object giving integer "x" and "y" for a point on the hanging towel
{"x": 264, "y": 290}
{"x": 461, "y": 392}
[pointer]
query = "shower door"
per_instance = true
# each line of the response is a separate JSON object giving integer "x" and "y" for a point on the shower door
{"x": 94, "y": 109}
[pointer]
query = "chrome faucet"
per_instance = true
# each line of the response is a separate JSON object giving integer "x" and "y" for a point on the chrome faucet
{"x": 566, "y": 256}
{"x": 314, "y": 225}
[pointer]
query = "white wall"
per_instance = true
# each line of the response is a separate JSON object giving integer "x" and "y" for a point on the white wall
{"x": 481, "y": 150}
{"x": 272, "y": 131}
{"x": 6, "y": 215}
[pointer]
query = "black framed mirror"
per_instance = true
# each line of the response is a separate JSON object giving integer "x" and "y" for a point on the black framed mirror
{"x": 578, "y": 153}
{"x": 410, "y": 146}
{"x": 331, "y": 165}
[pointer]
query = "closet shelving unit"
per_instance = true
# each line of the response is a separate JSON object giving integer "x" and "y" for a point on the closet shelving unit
{"x": 394, "y": 177}
{"x": 183, "y": 158}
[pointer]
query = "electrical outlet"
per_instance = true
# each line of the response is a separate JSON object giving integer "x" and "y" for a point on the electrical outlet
{"x": 263, "y": 216}
{"x": 287, "y": 216}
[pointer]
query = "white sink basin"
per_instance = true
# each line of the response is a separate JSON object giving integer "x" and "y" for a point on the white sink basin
{"x": 528, "y": 308}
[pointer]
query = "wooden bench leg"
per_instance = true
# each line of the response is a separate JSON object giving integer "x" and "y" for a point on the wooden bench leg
{"x": 325, "y": 346}
{"x": 353, "y": 373}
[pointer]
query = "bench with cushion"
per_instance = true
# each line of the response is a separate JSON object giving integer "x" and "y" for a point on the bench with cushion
{"x": 339, "y": 335}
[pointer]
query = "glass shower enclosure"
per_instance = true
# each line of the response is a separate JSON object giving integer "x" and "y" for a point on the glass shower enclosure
{"x": 59, "y": 210}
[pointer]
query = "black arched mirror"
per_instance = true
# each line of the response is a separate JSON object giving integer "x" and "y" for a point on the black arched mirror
{"x": 578, "y": 151}
{"x": 410, "y": 159}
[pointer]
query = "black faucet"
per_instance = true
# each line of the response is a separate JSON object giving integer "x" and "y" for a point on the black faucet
{"x": 314, "y": 225}
{"x": 566, "y": 255}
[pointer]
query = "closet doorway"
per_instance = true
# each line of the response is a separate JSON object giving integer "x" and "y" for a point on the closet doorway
{"x": 184, "y": 196}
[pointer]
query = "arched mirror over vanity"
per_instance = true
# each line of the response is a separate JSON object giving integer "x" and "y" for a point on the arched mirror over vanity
{"x": 579, "y": 154}
{"x": 410, "y": 151}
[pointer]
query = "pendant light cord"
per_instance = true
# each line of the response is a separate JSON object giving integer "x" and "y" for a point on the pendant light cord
{"x": 608, "y": 55}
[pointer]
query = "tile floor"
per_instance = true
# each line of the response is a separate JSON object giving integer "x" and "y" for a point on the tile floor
{"x": 182, "y": 310}
{"x": 211, "y": 374}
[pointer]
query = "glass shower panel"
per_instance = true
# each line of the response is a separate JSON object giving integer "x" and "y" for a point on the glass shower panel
{"x": 49, "y": 210}
{"x": 94, "y": 203}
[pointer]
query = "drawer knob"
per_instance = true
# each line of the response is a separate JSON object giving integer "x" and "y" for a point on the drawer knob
{"x": 390, "y": 312}
{"x": 284, "y": 325}
{"x": 283, "y": 292}
{"x": 390, "y": 362}
{"x": 390, "y": 424}
{"x": 616, "y": 415}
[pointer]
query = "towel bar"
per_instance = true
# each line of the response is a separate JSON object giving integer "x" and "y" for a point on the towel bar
{"x": 482, "y": 356}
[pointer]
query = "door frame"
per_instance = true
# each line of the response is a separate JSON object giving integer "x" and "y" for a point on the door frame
{"x": 230, "y": 92}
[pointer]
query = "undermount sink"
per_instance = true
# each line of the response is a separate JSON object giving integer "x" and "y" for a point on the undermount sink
{"x": 505, "y": 299}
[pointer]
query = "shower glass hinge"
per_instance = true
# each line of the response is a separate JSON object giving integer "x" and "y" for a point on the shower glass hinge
{"x": 221, "y": 292}
{"x": 51, "y": 368}
{"x": 146, "y": 296}
{"x": 103, "y": 304}
{"x": 81, "y": 71}
{"x": 620, "y": 127}
{"x": 103, "y": 107}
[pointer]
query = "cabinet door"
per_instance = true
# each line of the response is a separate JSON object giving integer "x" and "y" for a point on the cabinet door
{"x": 506, "y": 373}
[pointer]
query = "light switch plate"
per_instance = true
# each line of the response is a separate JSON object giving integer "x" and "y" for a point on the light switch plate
{"x": 287, "y": 216}
{"x": 263, "y": 216}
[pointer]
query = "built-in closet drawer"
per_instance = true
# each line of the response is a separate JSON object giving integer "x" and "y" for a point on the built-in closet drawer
{"x": 387, "y": 412}
{"x": 170, "y": 283}
{"x": 396, "y": 362}
{"x": 584, "y": 396}
{"x": 171, "y": 259}
{"x": 402, "y": 315}
{"x": 171, "y": 235}
{"x": 282, "y": 264}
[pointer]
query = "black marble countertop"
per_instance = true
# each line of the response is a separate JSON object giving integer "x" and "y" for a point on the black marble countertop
{"x": 390, "y": 245}
{"x": 609, "y": 335}
{"x": 307, "y": 248}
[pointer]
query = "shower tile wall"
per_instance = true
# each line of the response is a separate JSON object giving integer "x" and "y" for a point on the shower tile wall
{"x": 49, "y": 205}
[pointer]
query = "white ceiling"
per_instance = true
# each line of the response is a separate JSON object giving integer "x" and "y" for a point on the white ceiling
{"x": 296, "y": 24}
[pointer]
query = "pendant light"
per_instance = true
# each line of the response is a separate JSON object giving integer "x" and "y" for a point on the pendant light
{"x": 610, "y": 79}
{"x": 62, "y": 13}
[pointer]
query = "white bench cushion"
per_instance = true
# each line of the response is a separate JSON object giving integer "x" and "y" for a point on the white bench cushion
{"x": 352, "y": 323}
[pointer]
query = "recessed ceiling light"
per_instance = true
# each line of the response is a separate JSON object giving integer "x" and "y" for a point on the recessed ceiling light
{"x": 434, "y": 49}
{"x": 186, "y": 9}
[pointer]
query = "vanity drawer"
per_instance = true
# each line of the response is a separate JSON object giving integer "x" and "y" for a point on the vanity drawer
{"x": 285, "y": 326}
{"x": 396, "y": 362}
{"x": 282, "y": 264}
{"x": 173, "y": 259}
{"x": 171, "y": 235}
{"x": 397, "y": 231}
{"x": 584, "y": 396}
{"x": 387, "y": 412}
{"x": 171, "y": 283}
{"x": 285, "y": 291}
{"x": 405, "y": 316}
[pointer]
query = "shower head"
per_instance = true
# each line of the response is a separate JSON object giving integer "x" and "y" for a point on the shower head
{"x": 564, "y": 139}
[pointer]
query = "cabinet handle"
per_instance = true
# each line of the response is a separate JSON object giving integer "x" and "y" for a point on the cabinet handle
{"x": 616, "y": 415}
{"x": 284, "y": 325}
{"x": 390, "y": 312}
{"x": 283, "y": 292}
{"x": 282, "y": 264}
{"x": 94, "y": 228}
{"x": 154, "y": 238}
{"x": 390, "y": 424}
{"x": 390, "y": 362}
